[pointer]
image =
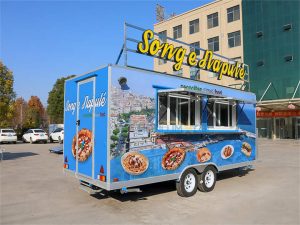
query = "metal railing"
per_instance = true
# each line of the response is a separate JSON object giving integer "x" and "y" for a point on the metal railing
{"x": 244, "y": 85}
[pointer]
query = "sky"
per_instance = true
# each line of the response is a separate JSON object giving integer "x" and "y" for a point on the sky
{"x": 42, "y": 41}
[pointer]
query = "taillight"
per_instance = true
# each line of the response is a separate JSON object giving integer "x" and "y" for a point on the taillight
{"x": 3, "y": 134}
{"x": 66, "y": 165}
{"x": 36, "y": 134}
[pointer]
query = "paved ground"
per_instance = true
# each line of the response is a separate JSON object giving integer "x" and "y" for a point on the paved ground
{"x": 34, "y": 190}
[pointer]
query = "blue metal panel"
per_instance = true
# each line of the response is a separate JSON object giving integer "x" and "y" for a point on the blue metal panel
{"x": 99, "y": 130}
{"x": 143, "y": 88}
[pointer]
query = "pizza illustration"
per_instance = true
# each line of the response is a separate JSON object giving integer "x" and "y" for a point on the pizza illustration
{"x": 85, "y": 146}
{"x": 134, "y": 163}
{"x": 173, "y": 159}
{"x": 203, "y": 155}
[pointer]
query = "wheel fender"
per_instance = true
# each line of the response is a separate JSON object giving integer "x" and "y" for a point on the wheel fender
{"x": 199, "y": 168}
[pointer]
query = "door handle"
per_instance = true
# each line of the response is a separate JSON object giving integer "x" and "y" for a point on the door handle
{"x": 78, "y": 122}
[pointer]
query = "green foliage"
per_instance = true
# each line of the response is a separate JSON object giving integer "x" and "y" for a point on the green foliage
{"x": 55, "y": 101}
{"x": 116, "y": 131}
{"x": 114, "y": 138}
{"x": 124, "y": 134}
{"x": 112, "y": 145}
{"x": 125, "y": 130}
{"x": 7, "y": 96}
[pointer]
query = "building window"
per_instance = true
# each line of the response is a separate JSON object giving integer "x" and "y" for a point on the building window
{"x": 163, "y": 38}
{"x": 194, "y": 73}
{"x": 177, "y": 32}
{"x": 194, "y": 26}
{"x": 212, "y": 20}
{"x": 162, "y": 110}
{"x": 179, "y": 111}
{"x": 178, "y": 72}
{"x": 213, "y": 44}
{"x": 212, "y": 74}
{"x": 221, "y": 114}
{"x": 233, "y": 13}
{"x": 162, "y": 61}
{"x": 234, "y": 39}
{"x": 194, "y": 47}
{"x": 260, "y": 63}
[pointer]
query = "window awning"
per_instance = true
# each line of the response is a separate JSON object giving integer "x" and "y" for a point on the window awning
{"x": 185, "y": 91}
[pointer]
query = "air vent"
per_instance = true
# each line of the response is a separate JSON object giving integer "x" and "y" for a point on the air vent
{"x": 260, "y": 63}
{"x": 288, "y": 58}
{"x": 287, "y": 27}
{"x": 259, "y": 34}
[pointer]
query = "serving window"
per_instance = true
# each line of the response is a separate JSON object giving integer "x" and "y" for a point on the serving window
{"x": 179, "y": 111}
{"x": 221, "y": 114}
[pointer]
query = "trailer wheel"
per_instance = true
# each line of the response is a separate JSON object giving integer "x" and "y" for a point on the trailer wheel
{"x": 207, "y": 179}
{"x": 187, "y": 185}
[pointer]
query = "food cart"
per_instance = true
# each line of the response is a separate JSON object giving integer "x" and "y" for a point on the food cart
{"x": 127, "y": 127}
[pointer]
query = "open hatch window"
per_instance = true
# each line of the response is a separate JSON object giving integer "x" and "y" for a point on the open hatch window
{"x": 221, "y": 114}
{"x": 179, "y": 111}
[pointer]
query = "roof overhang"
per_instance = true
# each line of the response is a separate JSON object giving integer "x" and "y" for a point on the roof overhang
{"x": 203, "y": 93}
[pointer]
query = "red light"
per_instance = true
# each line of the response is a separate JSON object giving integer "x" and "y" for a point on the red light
{"x": 66, "y": 166}
{"x": 101, "y": 169}
{"x": 36, "y": 134}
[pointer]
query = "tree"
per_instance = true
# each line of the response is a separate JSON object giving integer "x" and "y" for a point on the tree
{"x": 55, "y": 101}
{"x": 20, "y": 107}
{"x": 7, "y": 96}
{"x": 116, "y": 131}
{"x": 35, "y": 116}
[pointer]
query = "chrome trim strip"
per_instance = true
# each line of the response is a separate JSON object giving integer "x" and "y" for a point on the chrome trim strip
{"x": 143, "y": 181}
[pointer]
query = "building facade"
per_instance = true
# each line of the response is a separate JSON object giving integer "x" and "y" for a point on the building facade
{"x": 271, "y": 49}
{"x": 262, "y": 34}
{"x": 215, "y": 26}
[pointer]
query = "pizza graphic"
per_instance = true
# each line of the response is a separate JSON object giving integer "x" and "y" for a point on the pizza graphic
{"x": 85, "y": 146}
{"x": 173, "y": 159}
{"x": 134, "y": 163}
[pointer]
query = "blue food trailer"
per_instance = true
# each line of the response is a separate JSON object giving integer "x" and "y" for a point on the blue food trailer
{"x": 126, "y": 127}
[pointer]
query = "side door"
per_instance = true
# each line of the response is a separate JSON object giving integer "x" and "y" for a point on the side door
{"x": 85, "y": 127}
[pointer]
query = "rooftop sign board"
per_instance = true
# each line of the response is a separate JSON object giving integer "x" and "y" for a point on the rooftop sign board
{"x": 154, "y": 47}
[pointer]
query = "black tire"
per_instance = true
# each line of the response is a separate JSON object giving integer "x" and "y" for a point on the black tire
{"x": 45, "y": 142}
{"x": 15, "y": 142}
{"x": 209, "y": 173}
{"x": 183, "y": 186}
